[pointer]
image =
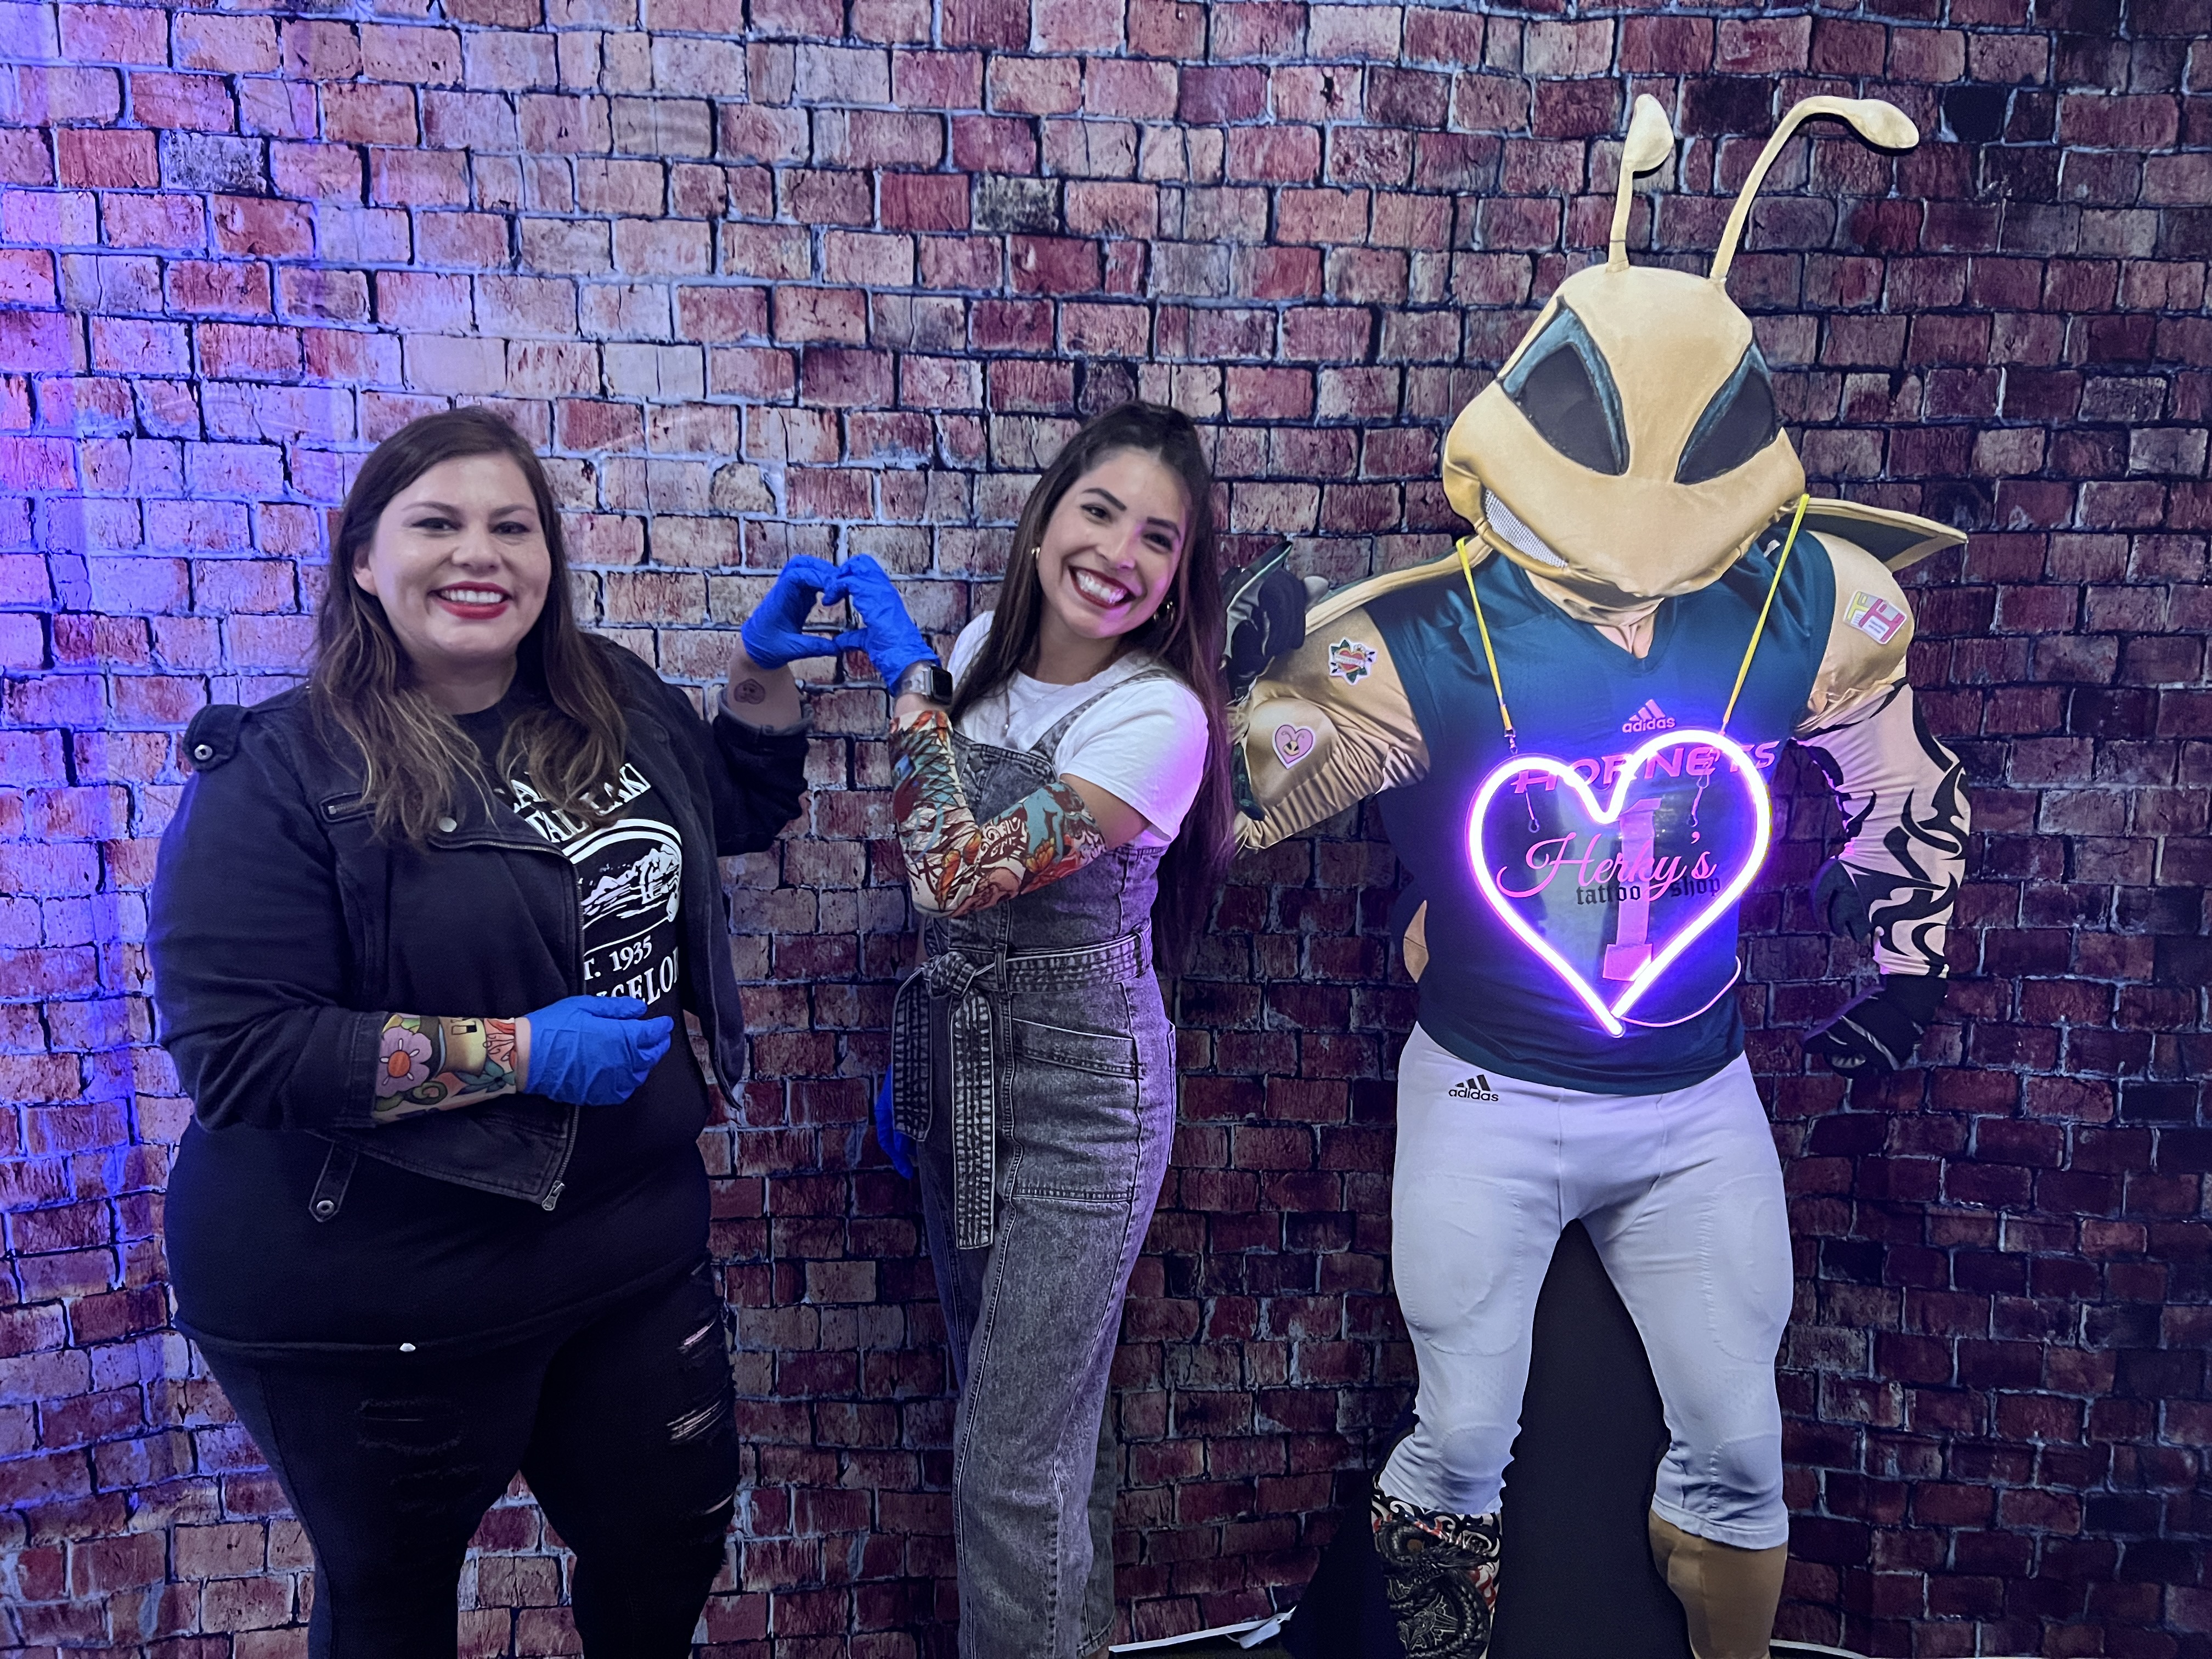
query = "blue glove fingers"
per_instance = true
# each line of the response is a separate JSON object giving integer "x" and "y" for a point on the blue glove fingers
{"x": 594, "y": 1051}
{"x": 802, "y": 578}
{"x": 888, "y": 634}
{"x": 775, "y": 632}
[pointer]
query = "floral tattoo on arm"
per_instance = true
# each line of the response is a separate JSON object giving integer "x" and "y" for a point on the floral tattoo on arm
{"x": 955, "y": 866}
{"x": 425, "y": 1063}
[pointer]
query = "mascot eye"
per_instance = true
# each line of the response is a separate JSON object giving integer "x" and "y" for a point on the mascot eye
{"x": 1562, "y": 384}
{"x": 1736, "y": 425}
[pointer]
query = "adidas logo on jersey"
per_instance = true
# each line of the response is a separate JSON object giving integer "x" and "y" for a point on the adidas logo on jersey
{"x": 1475, "y": 1088}
{"x": 1649, "y": 717}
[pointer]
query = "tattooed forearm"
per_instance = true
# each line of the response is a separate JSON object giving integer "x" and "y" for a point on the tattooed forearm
{"x": 425, "y": 1063}
{"x": 954, "y": 865}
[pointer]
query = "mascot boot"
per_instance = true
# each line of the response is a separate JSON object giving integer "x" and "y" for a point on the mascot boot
{"x": 1440, "y": 1574}
{"x": 1729, "y": 1595}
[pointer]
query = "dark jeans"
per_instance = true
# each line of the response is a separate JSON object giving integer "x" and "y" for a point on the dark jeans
{"x": 622, "y": 1426}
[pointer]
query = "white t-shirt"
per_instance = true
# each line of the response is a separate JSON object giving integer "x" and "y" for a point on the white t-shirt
{"x": 1144, "y": 744}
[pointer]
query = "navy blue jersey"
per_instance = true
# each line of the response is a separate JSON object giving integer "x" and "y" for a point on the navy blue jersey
{"x": 1609, "y": 896}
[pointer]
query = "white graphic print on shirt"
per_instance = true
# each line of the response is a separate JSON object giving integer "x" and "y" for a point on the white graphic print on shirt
{"x": 629, "y": 886}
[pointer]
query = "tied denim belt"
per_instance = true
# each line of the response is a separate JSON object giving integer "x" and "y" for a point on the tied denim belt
{"x": 951, "y": 1011}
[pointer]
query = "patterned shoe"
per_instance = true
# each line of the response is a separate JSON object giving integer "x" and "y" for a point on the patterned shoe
{"x": 1440, "y": 1573}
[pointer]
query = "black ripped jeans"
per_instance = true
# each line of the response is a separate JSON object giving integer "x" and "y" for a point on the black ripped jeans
{"x": 622, "y": 1426}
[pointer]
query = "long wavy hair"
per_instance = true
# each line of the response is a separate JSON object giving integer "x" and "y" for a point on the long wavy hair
{"x": 415, "y": 754}
{"x": 1184, "y": 635}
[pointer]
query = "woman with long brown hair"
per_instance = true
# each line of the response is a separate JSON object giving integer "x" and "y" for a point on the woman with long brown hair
{"x": 423, "y": 932}
{"x": 1064, "y": 813}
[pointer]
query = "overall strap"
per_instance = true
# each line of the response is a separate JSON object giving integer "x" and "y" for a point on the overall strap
{"x": 1049, "y": 744}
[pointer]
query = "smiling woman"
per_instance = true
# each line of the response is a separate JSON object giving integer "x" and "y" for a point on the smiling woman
{"x": 458, "y": 561}
{"x": 1064, "y": 819}
{"x": 416, "y": 1258}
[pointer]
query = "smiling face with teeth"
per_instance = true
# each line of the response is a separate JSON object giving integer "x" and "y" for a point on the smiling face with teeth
{"x": 1107, "y": 558}
{"x": 459, "y": 563}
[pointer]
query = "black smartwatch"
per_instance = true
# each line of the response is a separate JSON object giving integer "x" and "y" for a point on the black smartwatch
{"x": 926, "y": 679}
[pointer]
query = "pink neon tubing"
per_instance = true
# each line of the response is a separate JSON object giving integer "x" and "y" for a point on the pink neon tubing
{"x": 1609, "y": 1017}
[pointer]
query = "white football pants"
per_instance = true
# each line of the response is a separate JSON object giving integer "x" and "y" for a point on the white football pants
{"x": 1681, "y": 1192}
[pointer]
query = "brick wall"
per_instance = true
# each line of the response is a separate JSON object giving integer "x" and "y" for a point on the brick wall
{"x": 835, "y": 277}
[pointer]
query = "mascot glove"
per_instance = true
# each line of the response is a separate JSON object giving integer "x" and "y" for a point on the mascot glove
{"x": 1840, "y": 896}
{"x": 1879, "y": 1031}
{"x": 594, "y": 1051}
{"x": 1265, "y": 619}
{"x": 898, "y": 1146}
{"x": 775, "y": 633}
{"x": 886, "y": 633}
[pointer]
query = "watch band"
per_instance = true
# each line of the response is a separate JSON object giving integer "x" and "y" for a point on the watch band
{"x": 926, "y": 679}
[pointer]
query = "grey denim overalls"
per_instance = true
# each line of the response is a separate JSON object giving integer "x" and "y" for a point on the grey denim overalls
{"x": 1034, "y": 1065}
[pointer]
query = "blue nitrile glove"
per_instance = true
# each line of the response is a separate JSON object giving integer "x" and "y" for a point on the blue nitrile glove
{"x": 886, "y": 633}
{"x": 898, "y": 1146}
{"x": 775, "y": 633}
{"x": 593, "y": 1051}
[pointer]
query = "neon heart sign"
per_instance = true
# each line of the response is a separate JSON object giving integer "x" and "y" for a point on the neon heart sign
{"x": 1642, "y": 961}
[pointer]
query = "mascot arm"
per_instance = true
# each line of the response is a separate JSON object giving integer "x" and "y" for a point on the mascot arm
{"x": 1901, "y": 791}
{"x": 1320, "y": 731}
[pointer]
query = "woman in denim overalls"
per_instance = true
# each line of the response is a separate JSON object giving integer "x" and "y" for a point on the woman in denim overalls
{"x": 1064, "y": 816}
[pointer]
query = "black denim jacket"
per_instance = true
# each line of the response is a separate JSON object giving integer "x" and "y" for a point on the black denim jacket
{"x": 281, "y": 932}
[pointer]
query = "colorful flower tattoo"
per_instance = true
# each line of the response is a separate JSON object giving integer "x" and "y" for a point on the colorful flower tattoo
{"x": 954, "y": 865}
{"x": 428, "y": 1064}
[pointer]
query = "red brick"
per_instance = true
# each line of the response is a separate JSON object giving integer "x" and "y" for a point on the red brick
{"x": 923, "y": 200}
{"x": 1214, "y": 94}
{"x": 114, "y": 35}
{"x": 1112, "y": 209}
{"x": 1133, "y": 90}
{"x": 106, "y": 161}
{"x": 200, "y": 103}
{"x": 985, "y": 143}
{"x": 826, "y": 314}
{"x": 842, "y": 379}
{"x": 1048, "y": 264}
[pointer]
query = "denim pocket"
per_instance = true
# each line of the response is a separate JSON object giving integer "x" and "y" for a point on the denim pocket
{"x": 1104, "y": 1053}
{"x": 1070, "y": 1123}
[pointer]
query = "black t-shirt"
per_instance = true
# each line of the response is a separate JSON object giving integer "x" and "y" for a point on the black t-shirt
{"x": 410, "y": 1259}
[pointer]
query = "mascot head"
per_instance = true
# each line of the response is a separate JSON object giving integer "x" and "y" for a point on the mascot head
{"x": 1630, "y": 449}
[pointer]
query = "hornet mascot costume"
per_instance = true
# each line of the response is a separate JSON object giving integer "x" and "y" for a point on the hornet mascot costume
{"x": 1571, "y": 723}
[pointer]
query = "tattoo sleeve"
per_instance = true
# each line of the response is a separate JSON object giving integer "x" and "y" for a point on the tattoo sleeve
{"x": 425, "y": 1063}
{"x": 954, "y": 865}
{"x": 1903, "y": 798}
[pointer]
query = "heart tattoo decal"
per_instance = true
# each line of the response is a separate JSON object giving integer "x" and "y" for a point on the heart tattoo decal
{"x": 1518, "y": 859}
{"x": 1293, "y": 743}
